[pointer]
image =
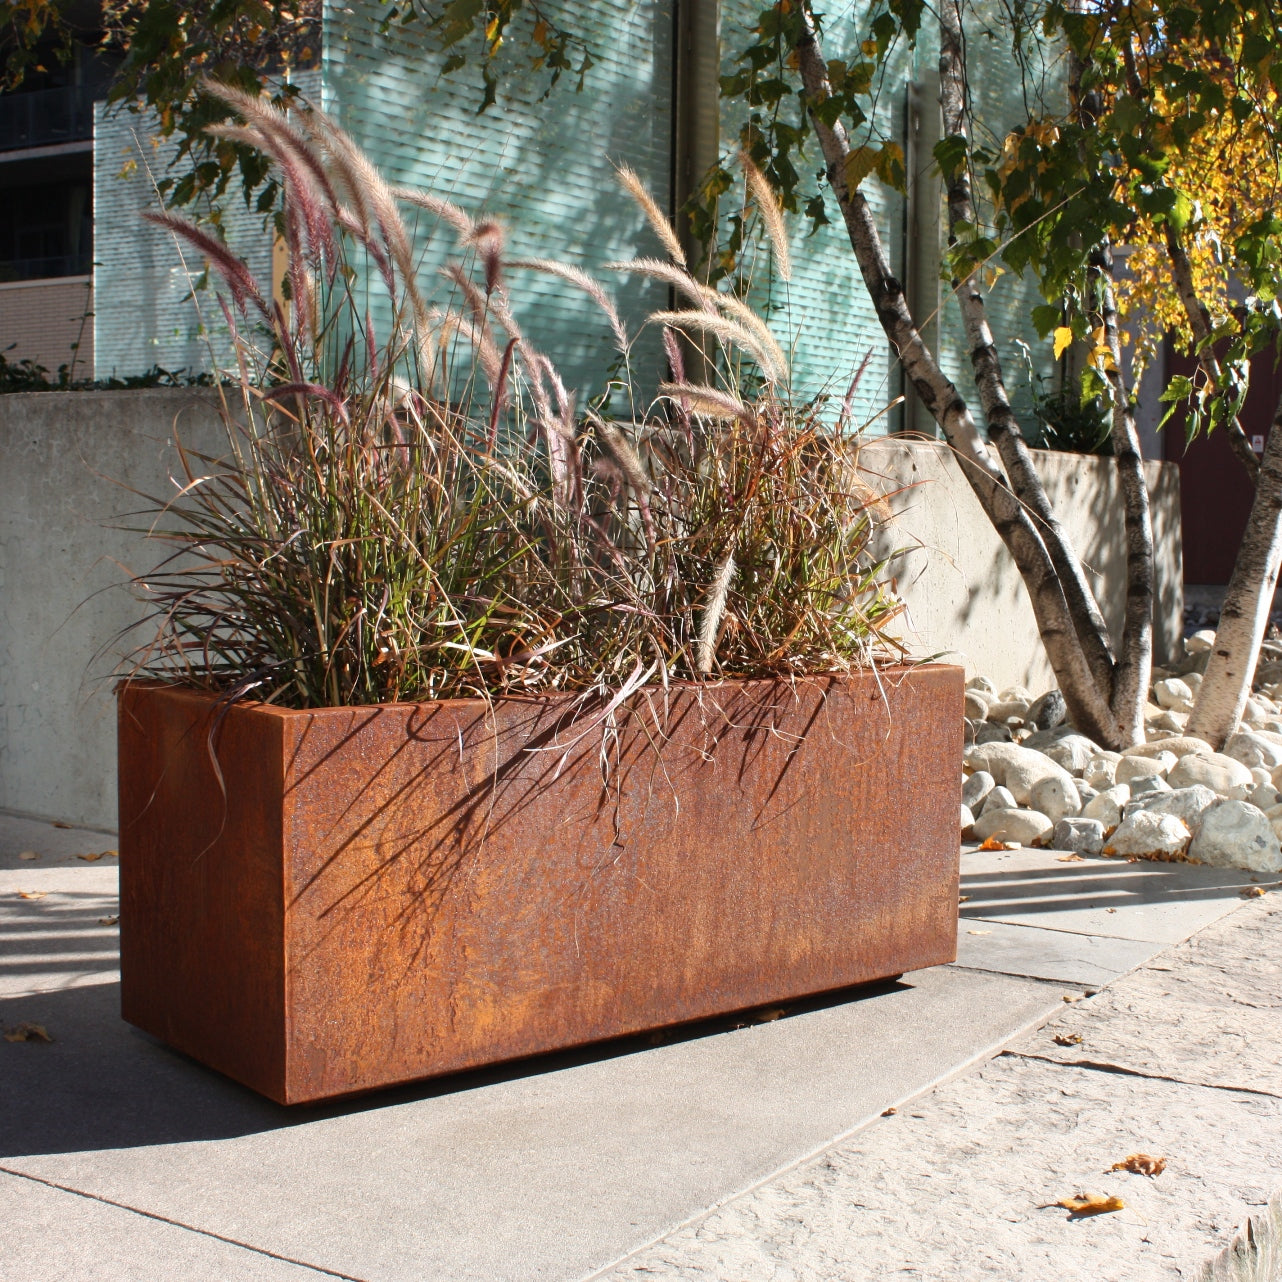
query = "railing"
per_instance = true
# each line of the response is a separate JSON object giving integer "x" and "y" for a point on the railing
{"x": 45, "y": 116}
{"x": 16, "y": 269}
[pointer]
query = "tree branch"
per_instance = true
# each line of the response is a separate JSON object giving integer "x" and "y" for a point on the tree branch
{"x": 1200, "y": 323}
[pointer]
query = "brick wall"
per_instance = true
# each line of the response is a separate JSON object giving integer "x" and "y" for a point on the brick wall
{"x": 42, "y": 320}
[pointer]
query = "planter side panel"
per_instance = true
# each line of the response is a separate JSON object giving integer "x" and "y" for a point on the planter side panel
{"x": 463, "y": 889}
{"x": 201, "y": 901}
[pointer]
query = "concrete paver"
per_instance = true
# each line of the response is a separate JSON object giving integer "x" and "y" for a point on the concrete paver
{"x": 53, "y": 1235}
{"x": 1047, "y": 954}
{"x": 548, "y": 1169}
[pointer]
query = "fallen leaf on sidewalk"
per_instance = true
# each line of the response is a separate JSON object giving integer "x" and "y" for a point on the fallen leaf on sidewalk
{"x": 57, "y": 823}
{"x": 979, "y": 932}
{"x": 1070, "y": 859}
{"x": 1072, "y": 997}
{"x": 769, "y": 1016}
{"x": 27, "y": 1033}
{"x": 1253, "y": 892}
{"x": 32, "y": 894}
{"x": 993, "y": 844}
{"x": 1068, "y": 1039}
{"x": 963, "y": 899}
{"x": 108, "y": 921}
{"x": 1140, "y": 1164}
{"x": 100, "y": 854}
{"x": 1091, "y": 1204}
{"x": 28, "y": 855}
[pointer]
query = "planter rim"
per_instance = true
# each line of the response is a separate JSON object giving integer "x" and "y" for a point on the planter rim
{"x": 891, "y": 670}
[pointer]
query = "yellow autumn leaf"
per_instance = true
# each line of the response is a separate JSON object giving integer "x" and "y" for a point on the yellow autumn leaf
{"x": 994, "y": 843}
{"x": 1091, "y": 1204}
{"x": 25, "y": 1032}
{"x": 859, "y": 164}
{"x": 1063, "y": 340}
{"x": 1140, "y": 1164}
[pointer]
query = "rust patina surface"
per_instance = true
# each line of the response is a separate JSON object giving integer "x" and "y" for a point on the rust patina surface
{"x": 318, "y": 903}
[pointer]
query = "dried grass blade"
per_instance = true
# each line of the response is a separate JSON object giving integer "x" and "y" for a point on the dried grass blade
{"x": 728, "y": 331}
{"x": 771, "y": 214}
{"x": 713, "y": 612}
{"x": 654, "y": 215}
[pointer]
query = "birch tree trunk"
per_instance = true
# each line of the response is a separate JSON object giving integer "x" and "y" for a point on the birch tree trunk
{"x": 1230, "y": 669}
{"x": 1003, "y": 427}
{"x": 1135, "y": 657}
{"x": 1068, "y": 618}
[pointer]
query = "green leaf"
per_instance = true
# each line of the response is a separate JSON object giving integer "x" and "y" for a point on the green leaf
{"x": 1046, "y": 318}
{"x": 1180, "y": 388}
{"x": 890, "y": 166}
{"x": 1093, "y": 384}
{"x": 950, "y": 154}
{"x": 1181, "y": 211}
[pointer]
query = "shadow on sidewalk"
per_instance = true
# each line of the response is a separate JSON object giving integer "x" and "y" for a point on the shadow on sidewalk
{"x": 102, "y": 1084}
{"x": 1096, "y": 882}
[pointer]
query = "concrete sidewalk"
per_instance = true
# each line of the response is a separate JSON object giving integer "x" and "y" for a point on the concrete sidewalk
{"x": 730, "y": 1150}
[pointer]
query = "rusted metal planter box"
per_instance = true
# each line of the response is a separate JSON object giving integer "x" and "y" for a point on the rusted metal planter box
{"x": 352, "y": 898}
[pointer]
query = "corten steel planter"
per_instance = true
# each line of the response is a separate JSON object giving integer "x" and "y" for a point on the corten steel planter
{"x": 352, "y": 898}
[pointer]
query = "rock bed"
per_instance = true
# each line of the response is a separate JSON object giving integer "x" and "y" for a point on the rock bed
{"x": 1031, "y": 779}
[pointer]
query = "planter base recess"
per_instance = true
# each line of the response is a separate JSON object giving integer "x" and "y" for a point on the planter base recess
{"x": 323, "y": 902}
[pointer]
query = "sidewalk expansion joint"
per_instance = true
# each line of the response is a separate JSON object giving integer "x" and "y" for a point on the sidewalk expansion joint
{"x": 178, "y": 1224}
{"x": 1103, "y": 1066}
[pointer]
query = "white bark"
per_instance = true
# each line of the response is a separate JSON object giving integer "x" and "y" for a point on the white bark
{"x": 1135, "y": 658}
{"x": 1230, "y": 669}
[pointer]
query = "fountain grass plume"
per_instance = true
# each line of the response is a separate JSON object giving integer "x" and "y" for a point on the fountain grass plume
{"x": 412, "y": 504}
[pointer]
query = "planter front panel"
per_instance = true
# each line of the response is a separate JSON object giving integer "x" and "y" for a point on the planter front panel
{"x": 462, "y": 886}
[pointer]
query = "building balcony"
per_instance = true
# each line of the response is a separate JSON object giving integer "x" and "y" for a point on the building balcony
{"x": 59, "y": 265}
{"x": 45, "y": 117}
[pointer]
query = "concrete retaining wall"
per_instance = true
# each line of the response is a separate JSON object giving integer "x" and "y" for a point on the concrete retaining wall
{"x": 68, "y": 460}
{"x": 966, "y": 599}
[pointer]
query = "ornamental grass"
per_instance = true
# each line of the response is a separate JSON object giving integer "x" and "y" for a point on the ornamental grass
{"x": 412, "y": 505}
